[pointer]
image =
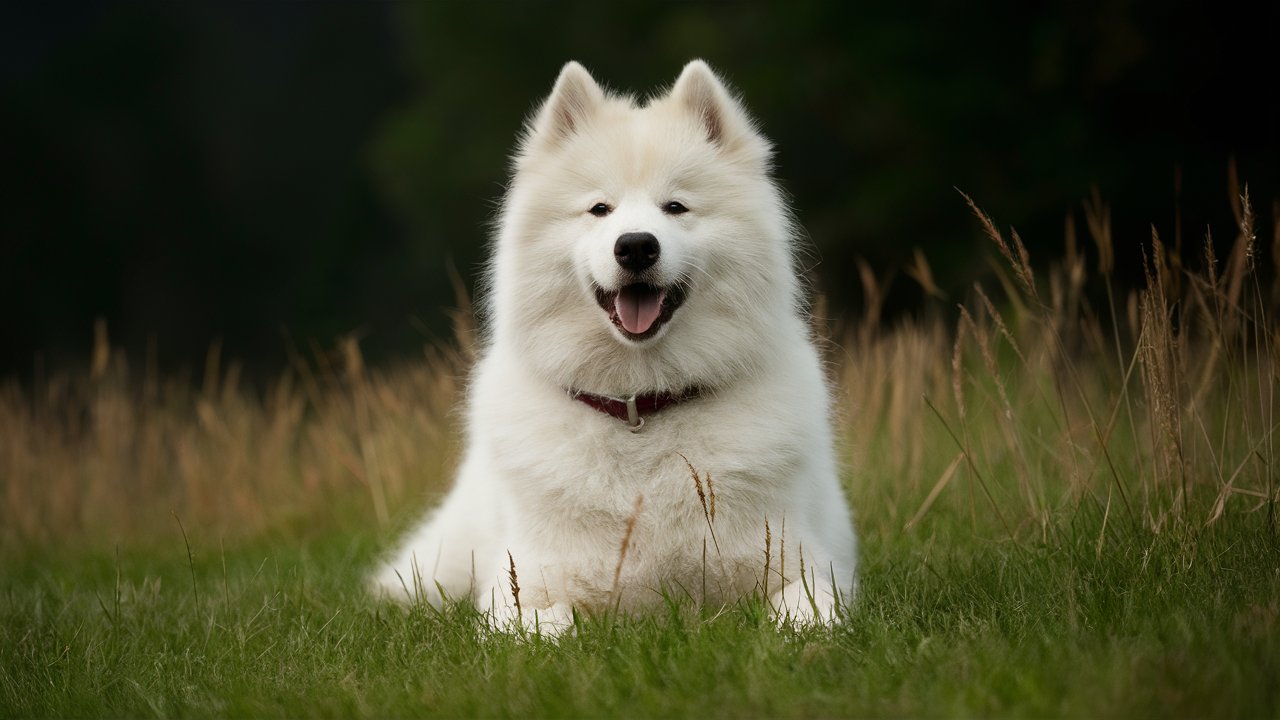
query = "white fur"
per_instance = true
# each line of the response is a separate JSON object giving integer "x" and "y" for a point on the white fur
{"x": 554, "y": 482}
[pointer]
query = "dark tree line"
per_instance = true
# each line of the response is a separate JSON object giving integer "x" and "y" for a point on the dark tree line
{"x": 249, "y": 170}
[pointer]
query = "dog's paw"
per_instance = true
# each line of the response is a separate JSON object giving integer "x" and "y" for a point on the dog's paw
{"x": 549, "y": 623}
{"x": 803, "y": 604}
{"x": 403, "y": 585}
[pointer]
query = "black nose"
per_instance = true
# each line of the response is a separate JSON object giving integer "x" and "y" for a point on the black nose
{"x": 636, "y": 251}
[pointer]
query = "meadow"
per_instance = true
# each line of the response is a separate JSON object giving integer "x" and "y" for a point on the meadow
{"x": 1065, "y": 491}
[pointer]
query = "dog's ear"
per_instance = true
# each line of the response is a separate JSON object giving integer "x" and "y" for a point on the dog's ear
{"x": 726, "y": 123}
{"x": 573, "y": 101}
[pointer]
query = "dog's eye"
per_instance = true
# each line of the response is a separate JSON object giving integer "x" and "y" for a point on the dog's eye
{"x": 674, "y": 208}
{"x": 600, "y": 210}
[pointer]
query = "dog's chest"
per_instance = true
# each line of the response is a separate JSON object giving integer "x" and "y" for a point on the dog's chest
{"x": 640, "y": 514}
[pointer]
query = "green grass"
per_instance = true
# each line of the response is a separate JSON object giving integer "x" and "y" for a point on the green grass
{"x": 948, "y": 623}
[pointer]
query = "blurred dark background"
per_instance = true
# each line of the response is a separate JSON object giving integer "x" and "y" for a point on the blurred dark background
{"x": 255, "y": 171}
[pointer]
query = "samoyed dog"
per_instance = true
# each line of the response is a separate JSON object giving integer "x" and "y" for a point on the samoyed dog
{"x": 649, "y": 417}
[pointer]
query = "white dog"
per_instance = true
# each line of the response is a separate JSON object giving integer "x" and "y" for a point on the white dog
{"x": 649, "y": 416}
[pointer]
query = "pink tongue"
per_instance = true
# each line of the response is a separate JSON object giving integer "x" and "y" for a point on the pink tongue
{"x": 638, "y": 307}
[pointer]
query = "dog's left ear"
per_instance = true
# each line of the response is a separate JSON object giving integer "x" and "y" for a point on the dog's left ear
{"x": 725, "y": 122}
{"x": 572, "y": 104}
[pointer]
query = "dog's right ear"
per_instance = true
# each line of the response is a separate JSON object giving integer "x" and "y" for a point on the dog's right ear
{"x": 723, "y": 120}
{"x": 572, "y": 103}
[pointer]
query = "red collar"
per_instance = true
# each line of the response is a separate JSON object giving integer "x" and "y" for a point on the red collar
{"x": 635, "y": 408}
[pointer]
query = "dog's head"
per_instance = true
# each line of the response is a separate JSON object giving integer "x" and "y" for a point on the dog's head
{"x": 644, "y": 246}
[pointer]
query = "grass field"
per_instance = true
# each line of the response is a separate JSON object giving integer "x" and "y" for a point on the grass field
{"x": 1066, "y": 501}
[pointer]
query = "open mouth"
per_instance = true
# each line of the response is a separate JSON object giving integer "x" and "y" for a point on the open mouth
{"x": 639, "y": 310}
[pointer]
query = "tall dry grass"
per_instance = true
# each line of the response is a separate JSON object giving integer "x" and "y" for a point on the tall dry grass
{"x": 1049, "y": 390}
{"x": 1157, "y": 406}
{"x": 104, "y": 454}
